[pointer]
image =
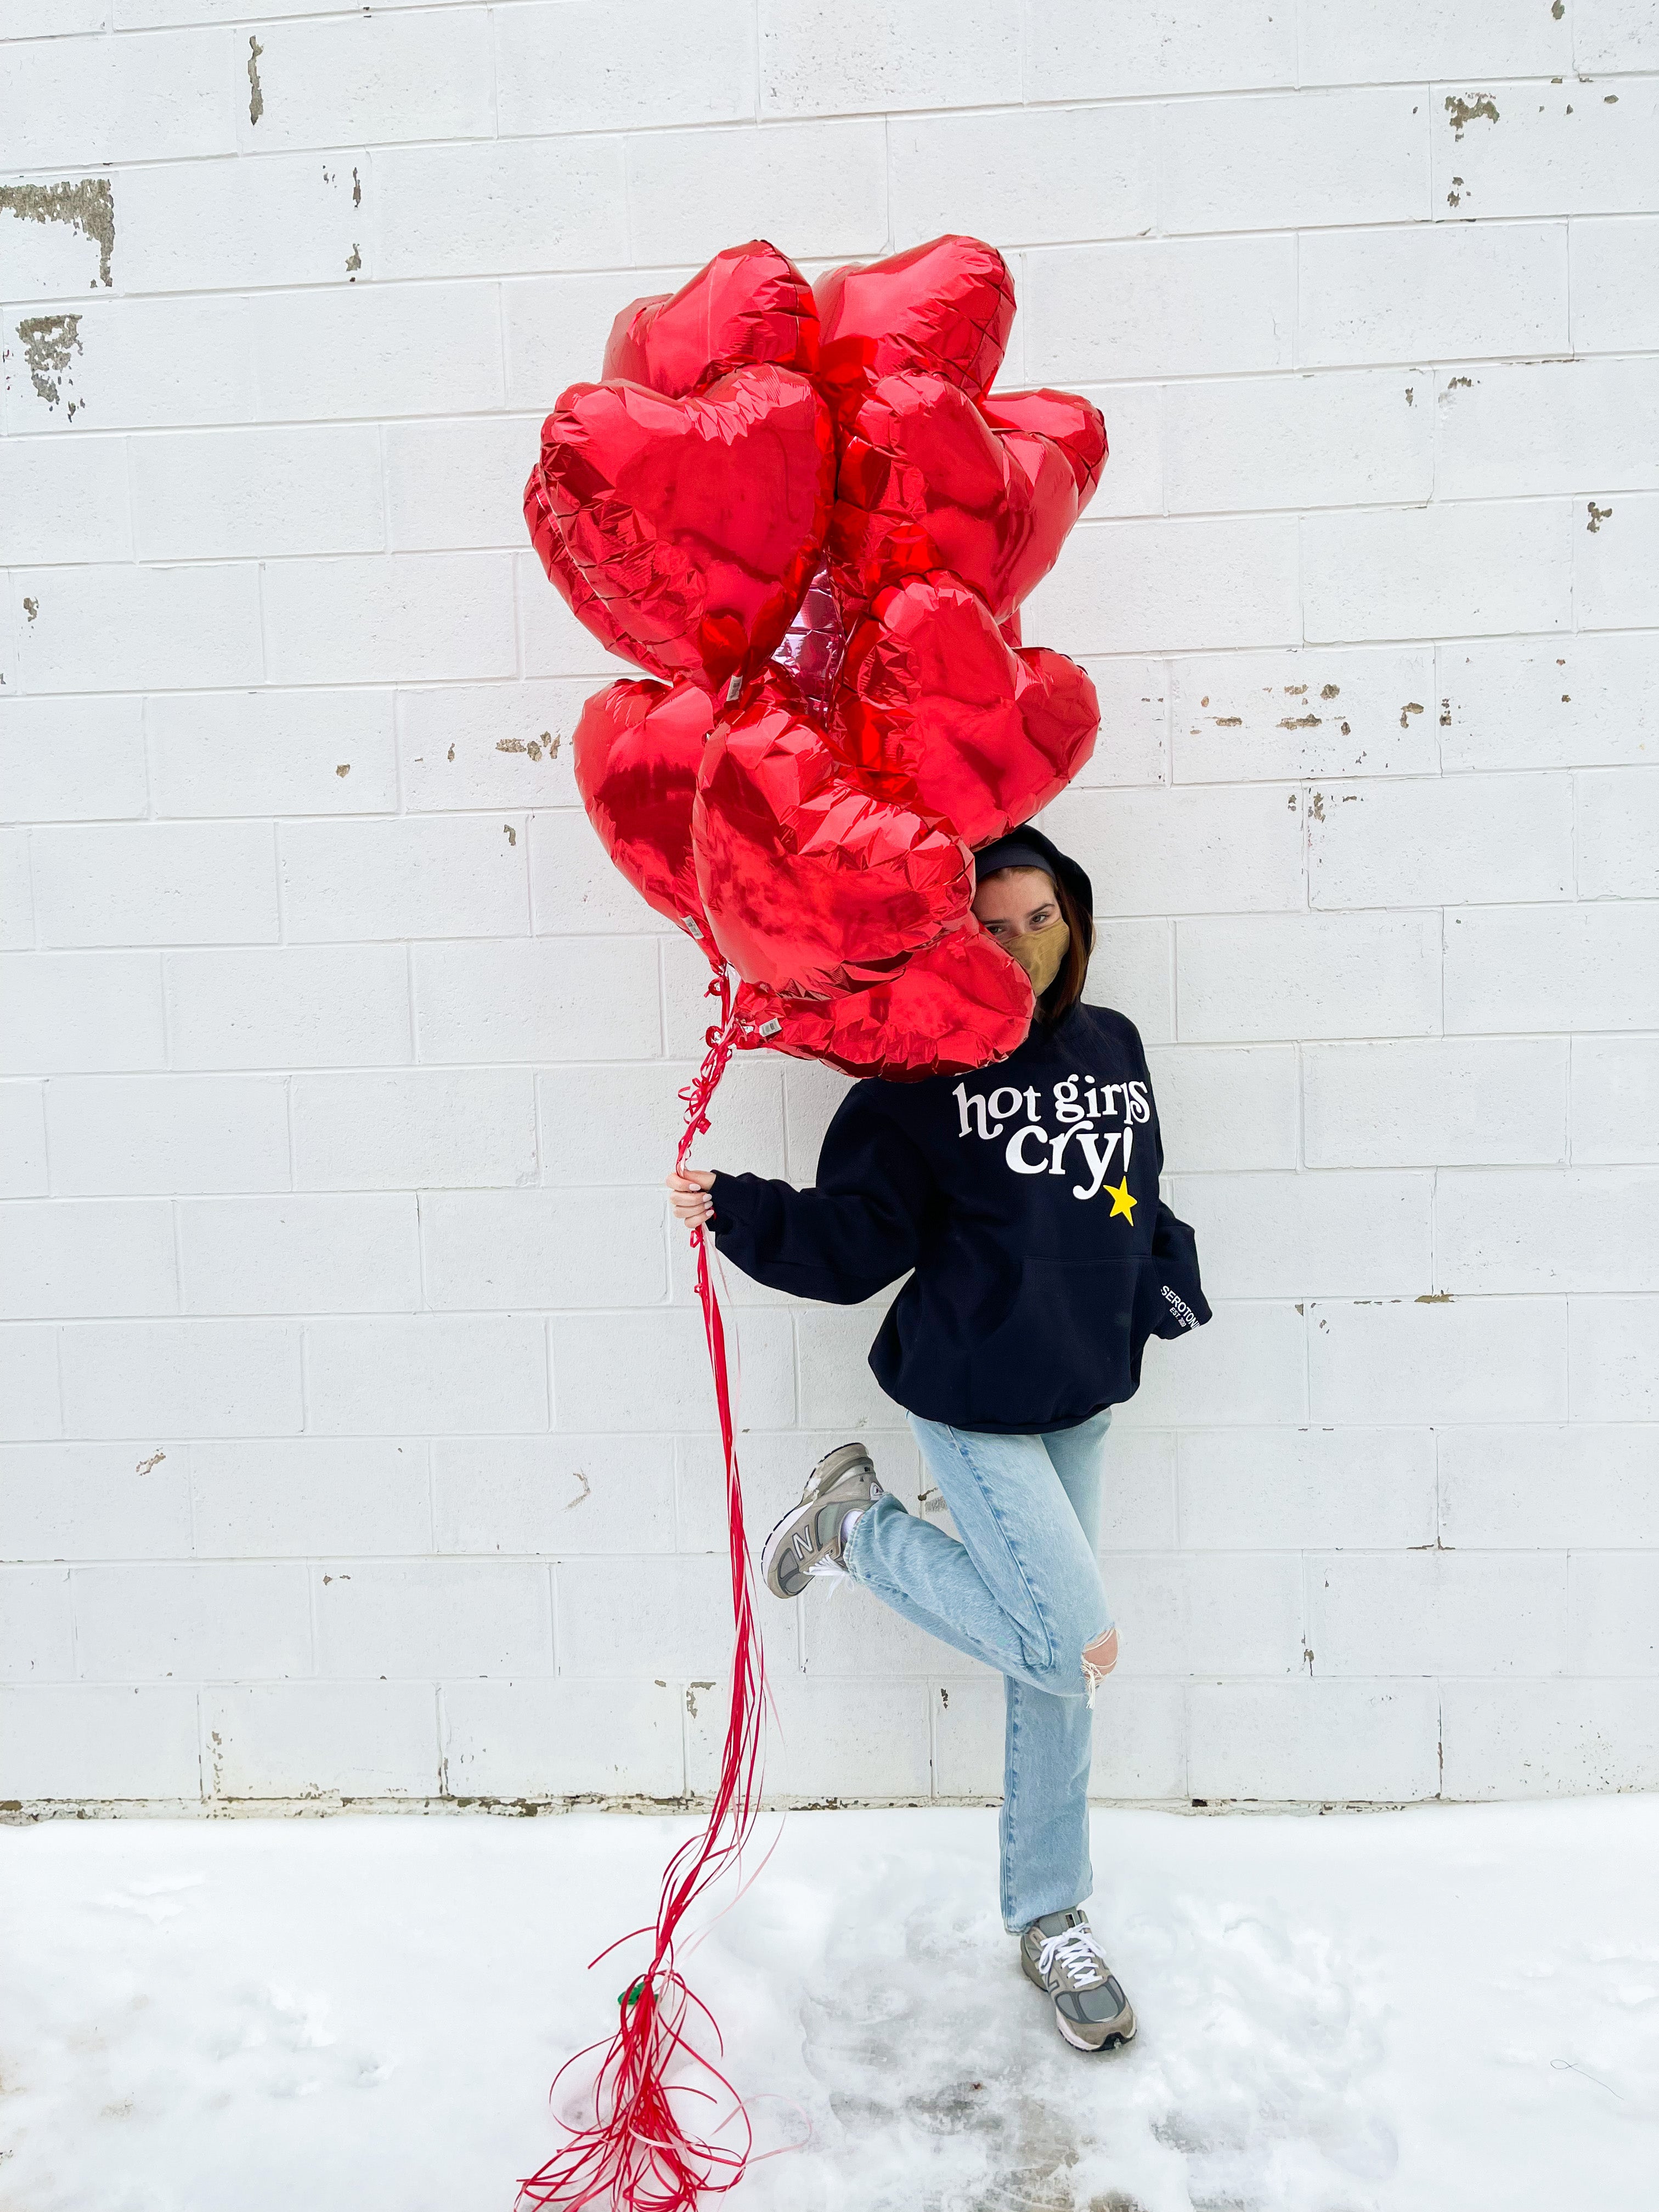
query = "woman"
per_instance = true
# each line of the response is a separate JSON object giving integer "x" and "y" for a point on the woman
{"x": 1024, "y": 1199}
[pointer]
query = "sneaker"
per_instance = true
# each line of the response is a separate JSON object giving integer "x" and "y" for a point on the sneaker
{"x": 808, "y": 1539}
{"x": 1062, "y": 1955}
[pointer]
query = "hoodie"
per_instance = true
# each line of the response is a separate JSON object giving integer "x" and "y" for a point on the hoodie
{"x": 1022, "y": 1202}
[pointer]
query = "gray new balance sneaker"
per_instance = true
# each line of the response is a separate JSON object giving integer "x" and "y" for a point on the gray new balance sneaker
{"x": 808, "y": 1539}
{"x": 1061, "y": 1954}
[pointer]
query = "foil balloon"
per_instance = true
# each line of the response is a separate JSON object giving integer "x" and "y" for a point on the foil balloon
{"x": 748, "y": 304}
{"x": 946, "y": 308}
{"x": 811, "y": 884}
{"x": 638, "y": 746}
{"x": 813, "y": 645}
{"x": 934, "y": 706}
{"x": 684, "y": 533}
{"x": 1072, "y": 423}
{"x": 808, "y": 515}
{"x": 927, "y": 480}
{"x": 572, "y": 586}
{"x": 948, "y": 1008}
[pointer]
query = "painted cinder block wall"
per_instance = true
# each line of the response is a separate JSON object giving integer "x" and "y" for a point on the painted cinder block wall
{"x": 359, "y": 1436}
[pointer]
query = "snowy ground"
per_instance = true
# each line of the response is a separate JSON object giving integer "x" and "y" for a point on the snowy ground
{"x": 1438, "y": 2008}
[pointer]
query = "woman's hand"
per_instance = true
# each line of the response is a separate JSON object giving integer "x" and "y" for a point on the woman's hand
{"x": 689, "y": 1194}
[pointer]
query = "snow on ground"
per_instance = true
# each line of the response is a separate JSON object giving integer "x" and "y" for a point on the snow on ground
{"x": 1440, "y": 2008}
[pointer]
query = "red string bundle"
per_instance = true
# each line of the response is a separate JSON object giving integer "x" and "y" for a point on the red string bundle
{"x": 638, "y": 2153}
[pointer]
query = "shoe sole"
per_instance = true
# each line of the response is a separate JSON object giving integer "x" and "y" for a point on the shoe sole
{"x": 1114, "y": 2040}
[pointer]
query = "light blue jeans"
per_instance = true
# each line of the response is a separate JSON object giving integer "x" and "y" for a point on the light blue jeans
{"x": 1021, "y": 1591}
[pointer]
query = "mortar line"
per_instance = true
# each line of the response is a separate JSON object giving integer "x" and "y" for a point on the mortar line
{"x": 1283, "y": 89}
{"x": 1142, "y": 240}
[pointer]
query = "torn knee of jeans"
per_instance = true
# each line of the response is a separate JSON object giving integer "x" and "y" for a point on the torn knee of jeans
{"x": 1098, "y": 1659}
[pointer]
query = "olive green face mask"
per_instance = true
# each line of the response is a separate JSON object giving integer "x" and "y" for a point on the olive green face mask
{"x": 1039, "y": 952}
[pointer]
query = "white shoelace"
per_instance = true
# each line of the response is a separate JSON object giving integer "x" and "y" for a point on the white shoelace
{"x": 1077, "y": 1953}
{"x": 833, "y": 1572}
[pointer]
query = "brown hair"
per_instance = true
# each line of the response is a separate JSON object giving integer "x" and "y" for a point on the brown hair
{"x": 1063, "y": 994}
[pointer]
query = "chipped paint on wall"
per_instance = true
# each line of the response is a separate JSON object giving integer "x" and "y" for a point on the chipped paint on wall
{"x": 256, "y": 97}
{"x": 87, "y": 205}
{"x": 1482, "y": 107}
{"x": 48, "y": 343}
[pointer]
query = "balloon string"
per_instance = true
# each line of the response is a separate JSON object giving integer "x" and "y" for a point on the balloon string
{"x": 638, "y": 2154}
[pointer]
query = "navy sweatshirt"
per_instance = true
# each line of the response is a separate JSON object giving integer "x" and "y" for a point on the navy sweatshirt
{"x": 1024, "y": 1199}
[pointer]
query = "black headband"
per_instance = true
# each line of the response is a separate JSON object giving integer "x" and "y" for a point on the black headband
{"x": 1011, "y": 853}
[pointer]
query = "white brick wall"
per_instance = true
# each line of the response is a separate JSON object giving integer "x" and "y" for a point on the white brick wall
{"x": 357, "y": 1441}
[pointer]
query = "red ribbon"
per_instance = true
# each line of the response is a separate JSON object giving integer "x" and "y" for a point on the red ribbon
{"x": 637, "y": 2152}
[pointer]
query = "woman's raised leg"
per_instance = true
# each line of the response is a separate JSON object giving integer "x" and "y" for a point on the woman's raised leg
{"x": 1018, "y": 1586}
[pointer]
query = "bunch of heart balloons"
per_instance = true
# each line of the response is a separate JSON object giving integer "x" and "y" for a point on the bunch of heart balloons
{"x": 806, "y": 516}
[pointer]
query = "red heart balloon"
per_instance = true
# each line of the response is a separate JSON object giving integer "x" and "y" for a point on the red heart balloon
{"x": 811, "y": 884}
{"x": 928, "y": 482}
{"x": 952, "y": 1007}
{"x": 683, "y": 532}
{"x": 934, "y": 706}
{"x": 1075, "y": 425}
{"x": 572, "y": 586}
{"x": 946, "y": 308}
{"x": 748, "y": 304}
{"x": 638, "y": 747}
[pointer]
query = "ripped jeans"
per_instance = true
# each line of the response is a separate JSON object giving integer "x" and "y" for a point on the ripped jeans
{"x": 1021, "y": 1591}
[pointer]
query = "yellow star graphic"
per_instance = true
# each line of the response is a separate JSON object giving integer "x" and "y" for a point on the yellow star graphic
{"x": 1122, "y": 1201}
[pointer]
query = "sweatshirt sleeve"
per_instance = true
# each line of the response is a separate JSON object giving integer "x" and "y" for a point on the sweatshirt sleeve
{"x": 858, "y": 1229}
{"x": 1182, "y": 1304}
{"x": 1175, "y": 1255}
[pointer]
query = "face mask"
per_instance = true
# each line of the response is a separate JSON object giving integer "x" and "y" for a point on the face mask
{"x": 1039, "y": 952}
